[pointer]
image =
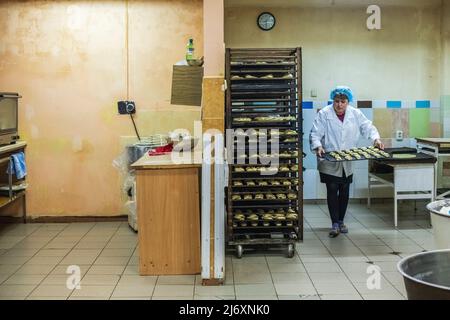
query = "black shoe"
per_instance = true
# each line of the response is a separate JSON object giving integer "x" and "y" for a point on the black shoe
{"x": 334, "y": 232}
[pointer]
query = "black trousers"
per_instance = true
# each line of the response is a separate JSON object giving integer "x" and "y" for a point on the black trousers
{"x": 337, "y": 200}
{"x": 338, "y": 192}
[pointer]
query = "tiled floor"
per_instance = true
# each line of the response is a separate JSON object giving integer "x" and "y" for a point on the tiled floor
{"x": 34, "y": 259}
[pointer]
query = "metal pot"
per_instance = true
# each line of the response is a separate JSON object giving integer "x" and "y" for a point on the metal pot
{"x": 136, "y": 151}
{"x": 427, "y": 275}
{"x": 440, "y": 219}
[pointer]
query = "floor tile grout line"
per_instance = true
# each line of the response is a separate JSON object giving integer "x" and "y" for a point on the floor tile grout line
{"x": 369, "y": 229}
{"x": 45, "y": 276}
{"x": 14, "y": 273}
{"x": 306, "y": 270}
{"x": 339, "y": 268}
{"x": 376, "y": 236}
{"x": 129, "y": 259}
{"x": 271, "y": 277}
{"x": 70, "y": 250}
{"x": 93, "y": 262}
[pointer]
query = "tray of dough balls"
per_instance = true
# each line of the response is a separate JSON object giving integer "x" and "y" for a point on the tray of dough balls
{"x": 264, "y": 196}
{"x": 267, "y": 170}
{"x": 264, "y": 183}
{"x": 265, "y": 218}
{"x": 267, "y": 156}
{"x": 356, "y": 154}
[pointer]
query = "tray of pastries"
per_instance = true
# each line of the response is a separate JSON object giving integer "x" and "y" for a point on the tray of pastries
{"x": 355, "y": 154}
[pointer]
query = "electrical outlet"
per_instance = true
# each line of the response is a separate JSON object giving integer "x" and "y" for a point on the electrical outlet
{"x": 126, "y": 107}
{"x": 399, "y": 135}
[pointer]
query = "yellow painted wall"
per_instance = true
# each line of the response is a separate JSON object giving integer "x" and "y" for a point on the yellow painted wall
{"x": 68, "y": 60}
{"x": 401, "y": 61}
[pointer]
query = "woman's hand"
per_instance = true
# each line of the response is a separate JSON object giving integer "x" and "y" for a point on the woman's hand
{"x": 320, "y": 152}
{"x": 377, "y": 143}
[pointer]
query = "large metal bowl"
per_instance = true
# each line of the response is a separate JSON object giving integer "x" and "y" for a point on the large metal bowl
{"x": 427, "y": 275}
{"x": 440, "y": 222}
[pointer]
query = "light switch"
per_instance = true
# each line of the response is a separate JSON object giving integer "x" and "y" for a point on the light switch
{"x": 314, "y": 93}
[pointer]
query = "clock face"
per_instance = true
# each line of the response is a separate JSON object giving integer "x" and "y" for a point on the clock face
{"x": 266, "y": 21}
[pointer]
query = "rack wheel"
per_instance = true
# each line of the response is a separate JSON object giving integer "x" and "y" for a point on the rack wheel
{"x": 290, "y": 251}
{"x": 239, "y": 251}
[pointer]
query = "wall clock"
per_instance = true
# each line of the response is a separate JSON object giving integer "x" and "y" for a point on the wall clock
{"x": 266, "y": 21}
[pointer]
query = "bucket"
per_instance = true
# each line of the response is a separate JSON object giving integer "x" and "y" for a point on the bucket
{"x": 427, "y": 275}
{"x": 440, "y": 219}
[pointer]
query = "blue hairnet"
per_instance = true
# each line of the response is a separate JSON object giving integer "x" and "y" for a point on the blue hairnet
{"x": 342, "y": 90}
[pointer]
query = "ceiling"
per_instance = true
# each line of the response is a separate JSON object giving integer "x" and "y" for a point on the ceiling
{"x": 328, "y": 3}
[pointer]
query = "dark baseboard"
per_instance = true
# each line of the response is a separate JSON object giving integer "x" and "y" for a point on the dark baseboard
{"x": 63, "y": 219}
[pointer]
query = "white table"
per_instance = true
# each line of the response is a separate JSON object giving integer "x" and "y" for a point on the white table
{"x": 409, "y": 181}
{"x": 440, "y": 149}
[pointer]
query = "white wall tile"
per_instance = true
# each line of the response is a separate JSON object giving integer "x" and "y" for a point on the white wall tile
{"x": 310, "y": 185}
{"x": 379, "y": 104}
{"x": 360, "y": 182}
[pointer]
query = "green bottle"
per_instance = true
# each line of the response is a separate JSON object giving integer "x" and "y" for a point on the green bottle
{"x": 190, "y": 50}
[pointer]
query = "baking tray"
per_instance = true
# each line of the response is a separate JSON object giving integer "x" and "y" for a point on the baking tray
{"x": 328, "y": 157}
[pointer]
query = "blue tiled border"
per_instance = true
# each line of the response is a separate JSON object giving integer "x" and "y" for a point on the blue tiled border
{"x": 373, "y": 104}
{"x": 423, "y": 104}
{"x": 393, "y": 104}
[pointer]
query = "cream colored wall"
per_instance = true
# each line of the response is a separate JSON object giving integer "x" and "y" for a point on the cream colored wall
{"x": 69, "y": 61}
{"x": 445, "y": 44}
{"x": 214, "y": 37}
{"x": 401, "y": 61}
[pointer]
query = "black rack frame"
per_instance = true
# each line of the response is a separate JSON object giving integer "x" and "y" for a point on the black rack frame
{"x": 261, "y": 83}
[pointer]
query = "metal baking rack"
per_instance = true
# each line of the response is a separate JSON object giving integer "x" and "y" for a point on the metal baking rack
{"x": 264, "y": 94}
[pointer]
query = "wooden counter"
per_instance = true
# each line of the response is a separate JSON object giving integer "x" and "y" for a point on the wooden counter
{"x": 168, "y": 209}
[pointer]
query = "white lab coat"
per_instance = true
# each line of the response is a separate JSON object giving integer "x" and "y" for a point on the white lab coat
{"x": 333, "y": 135}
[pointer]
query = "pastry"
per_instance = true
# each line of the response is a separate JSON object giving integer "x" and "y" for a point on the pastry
{"x": 292, "y": 216}
{"x": 270, "y": 196}
{"x": 281, "y": 196}
{"x": 236, "y": 197}
{"x": 290, "y": 132}
{"x": 259, "y": 196}
{"x": 292, "y": 196}
{"x": 286, "y": 183}
{"x": 275, "y": 183}
{"x": 242, "y": 119}
{"x": 284, "y": 169}
{"x": 348, "y": 157}
{"x": 262, "y": 183}
{"x": 248, "y": 197}
{"x": 294, "y": 167}
{"x": 237, "y": 183}
{"x": 239, "y": 169}
{"x": 250, "y": 183}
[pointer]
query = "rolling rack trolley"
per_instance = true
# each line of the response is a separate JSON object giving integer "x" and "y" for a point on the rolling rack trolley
{"x": 263, "y": 99}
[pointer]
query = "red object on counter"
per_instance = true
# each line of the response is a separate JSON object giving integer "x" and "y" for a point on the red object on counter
{"x": 161, "y": 150}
